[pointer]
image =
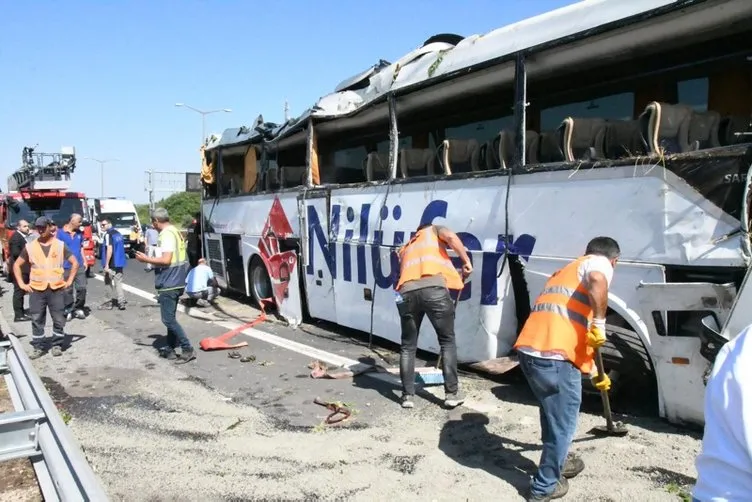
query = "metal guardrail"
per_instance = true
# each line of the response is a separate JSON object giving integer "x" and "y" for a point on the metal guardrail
{"x": 37, "y": 431}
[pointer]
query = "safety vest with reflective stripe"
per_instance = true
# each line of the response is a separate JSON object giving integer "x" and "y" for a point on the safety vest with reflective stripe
{"x": 424, "y": 255}
{"x": 46, "y": 271}
{"x": 172, "y": 276}
{"x": 560, "y": 318}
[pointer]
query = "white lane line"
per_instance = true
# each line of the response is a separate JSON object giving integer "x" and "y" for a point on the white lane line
{"x": 263, "y": 336}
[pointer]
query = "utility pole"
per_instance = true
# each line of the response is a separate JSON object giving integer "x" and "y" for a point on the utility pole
{"x": 101, "y": 163}
{"x": 287, "y": 111}
{"x": 203, "y": 114}
{"x": 150, "y": 188}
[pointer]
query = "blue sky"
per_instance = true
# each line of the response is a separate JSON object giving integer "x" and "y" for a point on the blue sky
{"x": 104, "y": 76}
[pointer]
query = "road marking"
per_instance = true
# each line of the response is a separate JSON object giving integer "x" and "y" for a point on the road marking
{"x": 263, "y": 336}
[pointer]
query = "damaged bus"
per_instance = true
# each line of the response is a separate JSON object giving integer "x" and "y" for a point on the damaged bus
{"x": 627, "y": 119}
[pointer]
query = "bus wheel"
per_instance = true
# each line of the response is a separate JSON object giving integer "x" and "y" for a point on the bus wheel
{"x": 261, "y": 285}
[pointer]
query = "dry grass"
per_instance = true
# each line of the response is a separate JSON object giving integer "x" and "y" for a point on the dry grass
{"x": 18, "y": 482}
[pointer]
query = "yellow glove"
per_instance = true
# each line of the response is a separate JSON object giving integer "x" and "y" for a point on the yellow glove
{"x": 595, "y": 336}
{"x": 602, "y": 383}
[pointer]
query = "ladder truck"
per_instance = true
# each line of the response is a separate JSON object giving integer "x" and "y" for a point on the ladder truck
{"x": 41, "y": 187}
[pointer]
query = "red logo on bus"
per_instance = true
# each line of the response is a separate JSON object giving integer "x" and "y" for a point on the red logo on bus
{"x": 279, "y": 264}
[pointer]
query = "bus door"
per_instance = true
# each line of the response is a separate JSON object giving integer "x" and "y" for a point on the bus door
{"x": 675, "y": 315}
{"x": 319, "y": 253}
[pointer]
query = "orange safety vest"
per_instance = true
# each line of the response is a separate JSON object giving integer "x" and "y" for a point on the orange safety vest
{"x": 425, "y": 256}
{"x": 46, "y": 271}
{"x": 560, "y": 318}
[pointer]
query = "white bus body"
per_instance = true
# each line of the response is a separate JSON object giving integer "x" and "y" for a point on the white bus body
{"x": 326, "y": 247}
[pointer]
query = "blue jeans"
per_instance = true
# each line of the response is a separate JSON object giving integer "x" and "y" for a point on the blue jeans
{"x": 558, "y": 387}
{"x": 168, "y": 306}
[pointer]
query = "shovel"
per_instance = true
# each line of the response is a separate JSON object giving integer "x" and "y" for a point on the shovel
{"x": 611, "y": 428}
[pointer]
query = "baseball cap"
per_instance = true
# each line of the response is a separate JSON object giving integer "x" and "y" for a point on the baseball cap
{"x": 42, "y": 222}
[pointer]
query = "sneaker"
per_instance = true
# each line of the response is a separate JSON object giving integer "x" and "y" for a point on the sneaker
{"x": 454, "y": 399}
{"x": 69, "y": 316}
{"x": 168, "y": 353}
{"x": 21, "y": 318}
{"x": 80, "y": 314}
{"x": 406, "y": 401}
{"x": 121, "y": 306}
{"x": 562, "y": 487}
{"x": 185, "y": 356}
{"x": 573, "y": 465}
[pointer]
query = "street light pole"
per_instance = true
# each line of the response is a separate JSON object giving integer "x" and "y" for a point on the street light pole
{"x": 203, "y": 113}
{"x": 101, "y": 163}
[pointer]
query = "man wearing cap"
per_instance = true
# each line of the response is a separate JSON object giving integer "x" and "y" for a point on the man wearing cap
{"x": 46, "y": 287}
{"x": 170, "y": 272}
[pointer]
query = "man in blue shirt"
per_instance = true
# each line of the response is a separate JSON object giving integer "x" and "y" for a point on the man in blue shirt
{"x": 113, "y": 262}
{"x": 75, "y": 295}
{"x": 200, "y": 285}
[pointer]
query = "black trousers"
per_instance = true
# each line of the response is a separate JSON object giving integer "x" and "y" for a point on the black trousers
{"x": 436, "y": 304}
{"x": 18, "y": 296}
{"x": 39, "y": 302}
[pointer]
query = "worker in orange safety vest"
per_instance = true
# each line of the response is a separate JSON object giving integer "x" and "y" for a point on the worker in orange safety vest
{"x": 426, "y": 276}
{"x": 556, "y": 346}
{"x": 46, "y": 286}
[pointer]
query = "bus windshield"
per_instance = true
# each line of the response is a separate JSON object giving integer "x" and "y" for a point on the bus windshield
{"x": 58, "y": 209}
{"x": 119, "y": 220}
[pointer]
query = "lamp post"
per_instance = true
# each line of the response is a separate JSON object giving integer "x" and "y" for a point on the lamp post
{"x": 101, "y": 163}
{"x": 203, "y": 114}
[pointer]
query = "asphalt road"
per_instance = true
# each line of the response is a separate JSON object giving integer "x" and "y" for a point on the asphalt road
{"x": 278, "y": 381}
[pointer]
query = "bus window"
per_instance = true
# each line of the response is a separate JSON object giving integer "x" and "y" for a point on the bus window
{"x": 232, "y": 169}
{"x": 484, "y": 130}
{"x": 616, "y": 107}
{"x": 289, "y": 168}
{"x": 694, "y": 93}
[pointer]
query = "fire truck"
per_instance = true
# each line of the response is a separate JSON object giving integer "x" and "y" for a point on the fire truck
{"x": 41, "y": 187}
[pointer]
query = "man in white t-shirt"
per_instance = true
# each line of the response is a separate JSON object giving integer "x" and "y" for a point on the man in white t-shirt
{"x": 724, "y": 466}
{"x": 556, "y": 347}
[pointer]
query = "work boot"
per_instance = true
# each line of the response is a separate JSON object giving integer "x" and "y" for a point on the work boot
{"x": 454, "y": 399}
{"x": 186, "y": 355}
{"x": 407, "y": 401}
{"x": 573, "y": 465}
{"x": 79, "y": 314}
{"x": 562, "y": 487}
{"x": 56, "y": 351}
{"x": 121, "y": 306}
{"x": 36, "y": 352}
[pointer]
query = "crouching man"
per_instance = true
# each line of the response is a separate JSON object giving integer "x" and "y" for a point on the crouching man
{"x": 556, "y": 347}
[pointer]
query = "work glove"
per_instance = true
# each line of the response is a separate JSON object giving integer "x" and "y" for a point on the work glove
{"x": 596, "y": 335}
{"x": 602, "y": 383}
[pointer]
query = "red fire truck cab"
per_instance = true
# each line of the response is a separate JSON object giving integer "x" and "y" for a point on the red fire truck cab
{"x": 40, "y": 188}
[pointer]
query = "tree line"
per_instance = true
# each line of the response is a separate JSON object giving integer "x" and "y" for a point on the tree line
{"x": 181, "y": 206}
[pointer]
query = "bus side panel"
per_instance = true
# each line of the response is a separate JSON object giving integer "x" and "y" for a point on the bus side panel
{"x": 320, "y": 256}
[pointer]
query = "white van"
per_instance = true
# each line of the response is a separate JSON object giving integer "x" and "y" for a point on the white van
{"x": 122, "y": 214}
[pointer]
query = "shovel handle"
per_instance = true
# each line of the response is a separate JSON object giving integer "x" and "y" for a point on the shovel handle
{"x": 604, "y": 393}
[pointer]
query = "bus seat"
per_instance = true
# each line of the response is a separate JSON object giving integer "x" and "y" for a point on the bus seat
{"x": 582, "y": 139}
{"x": 414, "y": 161}
{"x": 293, "y": 176}
{"x": 665, "y": 128}
{"x": 731, "y": 130}
{"x": 549, "y": 149}
{"x": 506, "y": 148}
{"x": 489, "y": 154}
{"x": 456, "y": 156}
{"x": 272, "y": 179}
{"x": 377, "y": 166}
{"x": 623, "y": 140}
{"x": 703, "y": 129}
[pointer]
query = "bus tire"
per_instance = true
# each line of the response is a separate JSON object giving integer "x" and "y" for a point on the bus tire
{"x": 628, "y": 365}
{"x": 258, "y": 281}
